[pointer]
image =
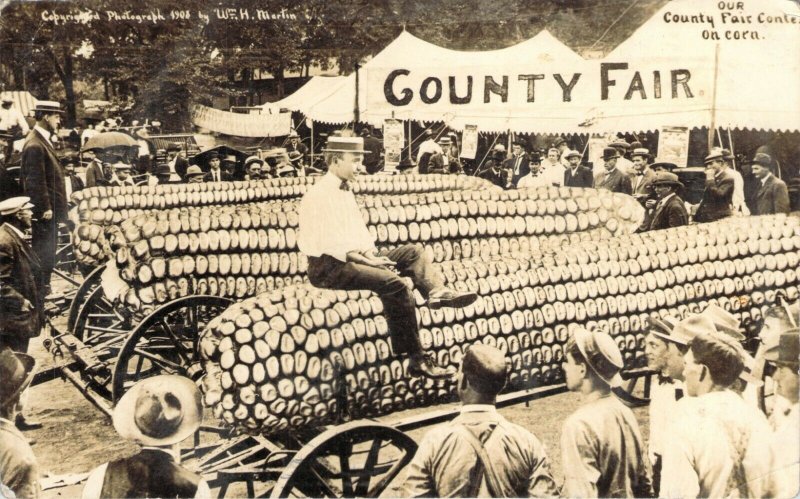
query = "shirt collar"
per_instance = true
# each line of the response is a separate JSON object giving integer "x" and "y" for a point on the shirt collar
{"x": 19, "y": 233}
{"x": 766, "y": 177}
{"x": 664, "y": 200}
{"x": 467, "y": 408}
{"x": 331, "y": 179}
{"x": 174, "y": 454}
{"x": 44, "y": 133}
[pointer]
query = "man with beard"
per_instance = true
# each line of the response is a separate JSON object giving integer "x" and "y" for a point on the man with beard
{"x": 576, "y": 175}
{"x": 612, "y": 178}
{"x": 42, "y": 180}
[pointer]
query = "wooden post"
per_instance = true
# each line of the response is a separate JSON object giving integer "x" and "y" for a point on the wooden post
{"x": 712, "y": 127}
{"x": 356, "y": 110}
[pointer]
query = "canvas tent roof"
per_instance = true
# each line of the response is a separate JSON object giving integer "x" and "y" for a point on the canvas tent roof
{"x": 318, "y": 87}
{"x": 670, "y": 79}
{"x": 23, "y": 101}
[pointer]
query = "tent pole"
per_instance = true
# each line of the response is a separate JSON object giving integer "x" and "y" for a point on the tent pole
{"x": 356, "y": 111}
{"x": 410, "y": 138}
{"x": 712, "y": 127}
{"x": 312, "y": 141}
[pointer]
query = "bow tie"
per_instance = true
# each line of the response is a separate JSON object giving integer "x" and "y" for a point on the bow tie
{"x": 640, "y": 174}
{"x": 344, "y": 186}
{"x": 663, "y": 380}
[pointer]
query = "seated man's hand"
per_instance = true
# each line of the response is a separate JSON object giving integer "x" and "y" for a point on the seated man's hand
{"x": 381, "y": 261}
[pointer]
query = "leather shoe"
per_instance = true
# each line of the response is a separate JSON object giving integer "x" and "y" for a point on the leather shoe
{"x": 24, "y": 424}
{"x": 446, "y": 297}
{"x": 423, "y": 365}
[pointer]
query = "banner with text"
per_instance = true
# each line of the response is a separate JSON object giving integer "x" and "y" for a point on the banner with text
{"x": 242, "y": 125}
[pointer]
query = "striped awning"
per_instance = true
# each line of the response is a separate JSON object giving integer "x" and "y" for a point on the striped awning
{"x": 23, "y": 101}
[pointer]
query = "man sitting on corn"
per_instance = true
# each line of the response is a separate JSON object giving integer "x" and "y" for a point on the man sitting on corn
{"x": 342, "y": 255}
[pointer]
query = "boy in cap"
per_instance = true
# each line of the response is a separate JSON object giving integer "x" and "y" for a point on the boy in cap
{"x": 602, "y": 451}
{"x": 157, "y": 413}
{"x": 19, "y": 469}
{"x": 613, "y": 179}
{"x": 785, "y": 360}
{"x": 717, "y": 200}
{"x": 669, "y": 209}
{"x": 342, "y": 255}
{"x": 122, "y": 174}
{"x": 773, "y": 195}
{"x": 178, "y": 164}
{"x": 480, "y": 453}
{"x": 716, "y": 446}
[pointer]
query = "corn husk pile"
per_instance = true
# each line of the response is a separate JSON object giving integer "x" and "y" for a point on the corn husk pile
{"x": 276, "y": 361}
{"x": 238, "y": 251}
{"x": 100, "y": 209}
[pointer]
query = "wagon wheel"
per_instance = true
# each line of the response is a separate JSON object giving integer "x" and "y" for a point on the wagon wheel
{"x": 98, "y": 321}
{"x": 165, "y": 342}
{"x": 356, "y": 459}
{"x": 86, "y": 288}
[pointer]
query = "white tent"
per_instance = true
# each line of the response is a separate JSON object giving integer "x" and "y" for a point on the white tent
{"x": 318, "y": 87}
{"x": 671, "y": 72}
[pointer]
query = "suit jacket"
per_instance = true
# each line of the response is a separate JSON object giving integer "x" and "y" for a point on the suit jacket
{"x": 616, "y": 181}
{"x": 436, "y": 164}
{"x": 517, "y": 173}
{"x": 671, "y": 214}
{"x": 717, "y": 198}
{"x": 223, "y": 177}
{"x": 581, "y": 178}
{"x": 94, "y": 175}
{"x": 42, "y": 178}
{"x": 772, "y": 197}
{"x": 181, "y": 165}
{"x": 18, "y": 268}
{"x": 645, "y": 181}
{"x": 372, "y": 160}
{"x": 76, "y": 182}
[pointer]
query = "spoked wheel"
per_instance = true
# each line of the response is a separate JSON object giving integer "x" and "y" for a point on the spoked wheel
{"x": 357, "y": 459}
{"x": 165, "y": 342}
{"x": 86, "y": 288}
{"x": 98, "y": 321}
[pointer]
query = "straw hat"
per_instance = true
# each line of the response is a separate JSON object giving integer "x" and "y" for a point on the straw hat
{"x": 602, "y": 355}
{"x": 160, "y": 411}
{"x": 16, "y": 371}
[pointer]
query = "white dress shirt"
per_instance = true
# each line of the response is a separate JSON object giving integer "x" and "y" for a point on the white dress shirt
{"x": 551, "y": 173}
{"x": 715, "y": 439}
{"x": 331, "y": 222}
{"x": 662, "y": 408}
{"x": 786, "y": 451}
{"x": 737, "y": 202}
{"x": 430, "y": 146}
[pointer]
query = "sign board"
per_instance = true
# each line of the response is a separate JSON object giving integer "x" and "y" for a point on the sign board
{"x": 469, "y": 142}
{"x": 673, "y": 145}
{"x": 393, "y": 142}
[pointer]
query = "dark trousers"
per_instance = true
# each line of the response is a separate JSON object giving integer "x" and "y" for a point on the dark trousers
{"x": 657, "y": 474}
{"x": 15, "y": 343}
{"x": 398, "y": 302}
{"x": 44, "y": 242}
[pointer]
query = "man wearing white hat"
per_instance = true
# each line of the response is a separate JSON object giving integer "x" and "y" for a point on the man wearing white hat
{"x": 716, "y": 445}
{"x": 157, "y": 413}
{"x": 19, "y": 469}
{"x": 42, "y": 180}
{"x": 20, "y": 299}
{"x": 342, "y": 255}
{"x": 602, "y": 452}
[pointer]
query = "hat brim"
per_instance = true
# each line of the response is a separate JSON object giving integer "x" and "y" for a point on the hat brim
{"x": 581, "y": 336}
{"x": 674, "y": 183}
{"x": 29, "y": 365}
{"x": 47, "y": 111}
{"x": 356, "y": 151}
{"x": 182, "y": 388}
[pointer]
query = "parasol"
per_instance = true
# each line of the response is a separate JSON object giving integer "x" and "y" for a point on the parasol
{"x": 106, "y": 140}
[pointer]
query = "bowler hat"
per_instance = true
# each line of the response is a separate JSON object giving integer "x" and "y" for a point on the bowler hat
{"x": 667, "y": 178}
{"x": 345, "y": 144}
{"x": 787, "y": 351}
{"x": 47, "y": 106}
{"x": 601, "y": 353}
{"x": 610, "y": 153}
{"x": 12, "y": 205}
{"x": 762, "y": 159}
{"x": 159, "y": 411}
{"x": 16, "y": 371}
{"x": 213, "y": 155}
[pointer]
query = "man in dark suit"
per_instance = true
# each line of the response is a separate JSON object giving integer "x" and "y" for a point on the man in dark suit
{"x": 773, "y": 195}
{"x": 643, "y": 175}
{"x": 576, "y": 175}
{"x": 97, "y": 174}
{"x": 519, "y": 163}
{"x": 718, "y": 193}
{"x": 177, "y": 162}
{"x": 441, "y": 161}
{"x": 295, "y": 144}
{"x": 215, "y": 172}
{"x": 72, "y": 182}
{"x": 373, "y": 162}
{"x": 20, "y": 301}
{"x": 669, "y": 210}
{"x": 613, "y": 179}
{"x": 43, "y": 181}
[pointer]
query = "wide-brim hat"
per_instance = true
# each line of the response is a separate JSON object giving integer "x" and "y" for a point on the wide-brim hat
{"x": 160, "y": 411}
{"x": 230, "y": 158}
{"x": 16, "y": 373}
{"x": 619, "y": 143}
{"x": 665, "y": 329}
{"x": 693, "y": 326}
{"x": 293, "y": 134}
{"x": 6, "y": 99}
{"x": 194, "y": 171}
{"x": 787, "y": 351}
{"x": 12, "y": 205}
{"x": 610, "y": 153}
{"x": 572, "y": 153}
{"x": 253, "y": 159}
{"x": 667, "y": 165}
{"x": 667, "y": 178}
{"x": 602, "y": 355}
{"x": 724, "y": 321}
{"x": 640, "y": 151}
{"x": 715, "y": 154}
{"x": 295, "y": 155}
{"x": 47, "y": 106}
{"x": 345, "y": 144}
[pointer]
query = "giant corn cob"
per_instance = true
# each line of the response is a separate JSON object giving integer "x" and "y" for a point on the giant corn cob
{"x": 276, "y": 361}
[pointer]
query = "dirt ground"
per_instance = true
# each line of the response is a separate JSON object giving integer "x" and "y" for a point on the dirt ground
{"x": 76, "y": 436}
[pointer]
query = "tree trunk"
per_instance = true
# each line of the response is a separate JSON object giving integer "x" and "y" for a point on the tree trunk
{"x": 279, "y": 79}
{"x": 66, "y": 76}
